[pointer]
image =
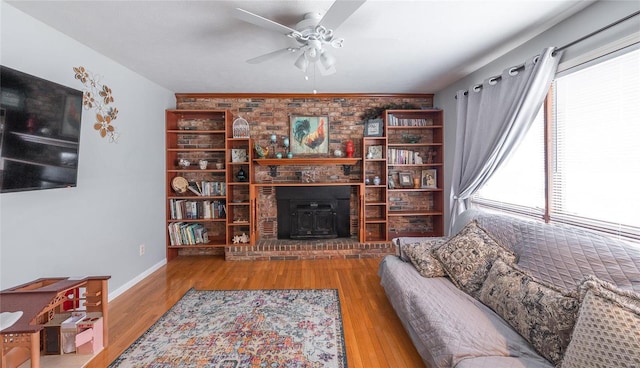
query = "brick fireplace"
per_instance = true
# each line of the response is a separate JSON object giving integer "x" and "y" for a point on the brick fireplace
{"x": 269, "y": 114}
{"x": 270, "y": 247}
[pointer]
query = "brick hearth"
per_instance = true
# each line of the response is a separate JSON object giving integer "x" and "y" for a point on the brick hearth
{"x": 340, "y": 248}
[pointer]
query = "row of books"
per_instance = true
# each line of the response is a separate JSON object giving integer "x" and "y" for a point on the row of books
{"x": 181, "y": 233}
{"x": 184, "y": 209}
{"x": 208, "y": 188}
{"x": 395, "y": 121}
{"x": 402, "y": 156}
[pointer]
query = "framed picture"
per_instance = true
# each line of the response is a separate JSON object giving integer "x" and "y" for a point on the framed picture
{"x": 429, "y": 178}
{"x": 373, "y": 128}
{"x": 405, "y": 179}
{"x": 375, "y": 152}
{"x": 238, "y": 155}
{"x": 309, "y": 134}
{"x": 71, "y": 119}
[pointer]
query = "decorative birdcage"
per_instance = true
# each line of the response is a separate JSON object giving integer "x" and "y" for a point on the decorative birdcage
{"x": 240, "y": 128}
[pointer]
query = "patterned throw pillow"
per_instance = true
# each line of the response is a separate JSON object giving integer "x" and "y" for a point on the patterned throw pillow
{"x": 540, "y": 313}
{"x": 422, "y": 258}
{"x": 467, "y": 257}
{"x": 607, "y": 333}
{"x": 402, "y": 243}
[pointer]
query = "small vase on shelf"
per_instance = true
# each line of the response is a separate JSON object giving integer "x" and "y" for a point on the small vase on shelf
{"x": 349, "y": 148}
{"x": 241, "y": 175}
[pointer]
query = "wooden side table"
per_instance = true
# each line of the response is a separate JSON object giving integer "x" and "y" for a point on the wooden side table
{"x": 40, "y": 300}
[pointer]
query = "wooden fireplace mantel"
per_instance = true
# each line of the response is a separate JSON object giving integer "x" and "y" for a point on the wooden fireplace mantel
{"x": 312, "y": 184}
{"x": 273, "y": 163}
{"x": 302, "y": 161}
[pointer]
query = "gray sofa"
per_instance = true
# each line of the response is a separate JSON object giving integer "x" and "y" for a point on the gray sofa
{"x": 525, "y": 300}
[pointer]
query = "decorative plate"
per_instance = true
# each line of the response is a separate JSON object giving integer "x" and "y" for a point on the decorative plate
{"x": 179, "y": 184}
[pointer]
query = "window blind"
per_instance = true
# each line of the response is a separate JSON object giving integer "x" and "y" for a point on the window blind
{"x": 597, "y": 146}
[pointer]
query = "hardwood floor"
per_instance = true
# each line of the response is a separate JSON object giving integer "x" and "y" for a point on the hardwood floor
{"x": 373, "y": 333}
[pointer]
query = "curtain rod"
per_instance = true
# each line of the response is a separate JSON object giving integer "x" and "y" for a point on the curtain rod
{"x": 558, "y": 49}
{"x": 595, "y": 32}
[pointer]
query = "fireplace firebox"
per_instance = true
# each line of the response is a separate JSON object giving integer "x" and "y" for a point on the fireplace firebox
{"x": 320, "y": 212}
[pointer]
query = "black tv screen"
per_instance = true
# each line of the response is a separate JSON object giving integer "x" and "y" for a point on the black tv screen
{"x": 39, "y": 132}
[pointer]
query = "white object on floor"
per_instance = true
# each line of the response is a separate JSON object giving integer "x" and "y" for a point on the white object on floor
{"x": 7, "y": 319}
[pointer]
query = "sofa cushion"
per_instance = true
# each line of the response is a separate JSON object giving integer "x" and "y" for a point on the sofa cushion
{"x": 467, "y": 257}
{"x": 563, "y": 255}
{"x": 422, "y": 258}
{"x": 402, "y": 242}
{"x": 542, "y": 314}
{"x": 445, "y": 324}
{"x": 607, "y": 332}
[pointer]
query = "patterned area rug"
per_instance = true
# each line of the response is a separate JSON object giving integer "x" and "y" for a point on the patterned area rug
{"x": 244, "y": 328}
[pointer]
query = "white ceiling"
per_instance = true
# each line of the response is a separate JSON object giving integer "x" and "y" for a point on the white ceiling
{"x": 390, "y": 46}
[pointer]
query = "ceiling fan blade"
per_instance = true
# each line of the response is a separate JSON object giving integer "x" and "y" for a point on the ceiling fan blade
{"x": 271, "y": 55}
{"x": 339, "y": 12}
{"x": 262, "y": 21}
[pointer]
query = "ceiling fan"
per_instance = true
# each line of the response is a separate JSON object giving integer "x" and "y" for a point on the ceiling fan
{"x": 312, "y": 34}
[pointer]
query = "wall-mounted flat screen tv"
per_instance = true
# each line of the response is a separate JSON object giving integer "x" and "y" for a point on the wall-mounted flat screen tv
{"x": 39, "y": 132}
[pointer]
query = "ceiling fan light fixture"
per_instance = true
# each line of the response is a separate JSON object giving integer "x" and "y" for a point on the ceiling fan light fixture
{"x": 327, "y": 60}
{"x": 326, "y": 70}
{"x": 314, "y": 48}
{"x": 301, "y": 62}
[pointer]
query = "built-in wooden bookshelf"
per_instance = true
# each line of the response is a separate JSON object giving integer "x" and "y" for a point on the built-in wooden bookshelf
{"x": 196, "y": 196}
{"x": 408, "y": 159}
{"x": 375, "y": 225}
{"x": 240, "y": 202}
{"x": 415, "y": 161}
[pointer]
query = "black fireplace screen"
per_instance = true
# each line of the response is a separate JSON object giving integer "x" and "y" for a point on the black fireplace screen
{"x": 313, "y": 212}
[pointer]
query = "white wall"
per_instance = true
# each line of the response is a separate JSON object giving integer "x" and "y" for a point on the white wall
{"x": 592, "y": 18}
{"x": 97, "y": 227}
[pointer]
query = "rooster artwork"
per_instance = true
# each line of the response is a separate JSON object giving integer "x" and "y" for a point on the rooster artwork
{"x": 310, "y": 134}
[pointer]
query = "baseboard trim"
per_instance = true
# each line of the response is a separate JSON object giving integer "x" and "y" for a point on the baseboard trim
{"x": 114, "y": 294}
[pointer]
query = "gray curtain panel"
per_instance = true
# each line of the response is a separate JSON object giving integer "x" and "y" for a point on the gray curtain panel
{"x": 492, "y": 120}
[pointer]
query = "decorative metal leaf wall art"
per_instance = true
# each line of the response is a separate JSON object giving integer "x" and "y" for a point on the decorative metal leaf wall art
{"x": 98, "y": 96}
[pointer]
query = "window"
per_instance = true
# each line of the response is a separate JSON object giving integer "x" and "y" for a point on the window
{"x": 594, "y": 166}
{"x": 518, "y": 184}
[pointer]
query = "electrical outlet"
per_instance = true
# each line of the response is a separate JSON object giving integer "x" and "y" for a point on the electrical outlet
{"x": 141, "y": 249}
